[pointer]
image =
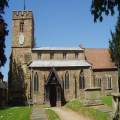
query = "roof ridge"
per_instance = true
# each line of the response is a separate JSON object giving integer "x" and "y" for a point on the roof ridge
{"x": 96, "y": 48}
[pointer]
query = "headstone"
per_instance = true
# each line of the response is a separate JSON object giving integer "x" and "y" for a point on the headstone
{"x": 30, "y": 102}
{"x": 92, "y": 96}
{"x": 116, "y": 106}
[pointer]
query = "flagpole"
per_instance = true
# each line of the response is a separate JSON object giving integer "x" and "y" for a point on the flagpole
{"x": 24, "y": 4}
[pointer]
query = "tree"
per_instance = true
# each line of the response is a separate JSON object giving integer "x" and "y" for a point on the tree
{"x": 3, "y": 32}
{"x": 16, "y": 84}
{"x": 114, "y": 47}
{"x": 98, "y": 7}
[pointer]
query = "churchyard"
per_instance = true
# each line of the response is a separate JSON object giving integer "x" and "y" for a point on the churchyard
{"x": 23, "y": 113}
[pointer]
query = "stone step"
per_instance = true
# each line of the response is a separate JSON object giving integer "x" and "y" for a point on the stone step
{"x": 103, "y": 108}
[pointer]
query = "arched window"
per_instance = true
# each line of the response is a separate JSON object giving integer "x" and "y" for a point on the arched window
{"x": 36, "y": 82}
{"x": 66, "y": 80}
{"x": 81, "y": 80}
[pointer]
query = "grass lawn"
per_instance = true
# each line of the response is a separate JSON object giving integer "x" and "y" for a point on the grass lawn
{"x": 76, "y": 105}
{"x": 51, "y": 114}
{"x": 15, "y": 113}
{"x": 107, "y": 100}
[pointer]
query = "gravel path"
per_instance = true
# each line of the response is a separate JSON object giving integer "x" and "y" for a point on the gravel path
{"x": 67, "y": 114}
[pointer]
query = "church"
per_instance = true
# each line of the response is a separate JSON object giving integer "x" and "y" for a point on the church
{"x": 54, "y": 75}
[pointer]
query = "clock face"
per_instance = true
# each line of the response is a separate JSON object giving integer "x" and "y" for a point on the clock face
{"x": 21, "y": 38}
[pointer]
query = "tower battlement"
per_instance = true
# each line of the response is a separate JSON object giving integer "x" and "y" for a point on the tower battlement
{"x": 22, "y": 14}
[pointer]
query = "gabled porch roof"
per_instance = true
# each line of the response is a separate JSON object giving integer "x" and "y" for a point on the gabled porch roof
{"x": 53, "y": 71}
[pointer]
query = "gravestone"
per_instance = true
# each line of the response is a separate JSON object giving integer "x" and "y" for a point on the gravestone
{"x": 116, "y": 106}
{"x": 92, "y": 96}
{"x": 30, "y": 102}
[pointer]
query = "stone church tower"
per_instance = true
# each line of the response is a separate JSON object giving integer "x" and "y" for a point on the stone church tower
{"x": 22, "y": 42}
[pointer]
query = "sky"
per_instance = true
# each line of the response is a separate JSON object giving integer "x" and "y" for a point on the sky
{"x": 61, "y": 23}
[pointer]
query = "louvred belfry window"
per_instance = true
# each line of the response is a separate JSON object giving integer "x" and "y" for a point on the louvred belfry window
{"x": 21, "y": 26}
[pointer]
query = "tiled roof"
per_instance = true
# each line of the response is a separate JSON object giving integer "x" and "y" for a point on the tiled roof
{"x": 59, "y": 63}
{"x": 58, "y": 48}
{"x": 100, "y": 58}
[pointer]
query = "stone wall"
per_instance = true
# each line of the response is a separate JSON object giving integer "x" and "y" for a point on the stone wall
{"x": 68, "y": 93}
{"x": 58, "y": 55}
{"x": 104, "y": 83}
